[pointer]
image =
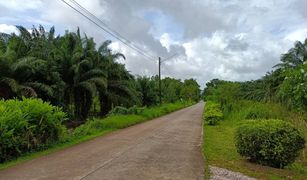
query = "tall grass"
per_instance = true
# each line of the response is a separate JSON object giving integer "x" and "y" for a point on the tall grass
{"x": 114, "y": 122}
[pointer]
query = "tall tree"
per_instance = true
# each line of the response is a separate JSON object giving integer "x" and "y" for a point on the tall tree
{"x": 121, "y": 87}
{"x": 190, "y": 90}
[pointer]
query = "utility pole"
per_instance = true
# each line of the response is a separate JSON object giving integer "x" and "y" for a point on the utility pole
{"x": 160, "y": 93}
{"x": 160, "y": 62}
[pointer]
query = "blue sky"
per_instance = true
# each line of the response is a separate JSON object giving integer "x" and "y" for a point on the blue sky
{"x": 232, "y": 40}
{"x": 162, "y": 23}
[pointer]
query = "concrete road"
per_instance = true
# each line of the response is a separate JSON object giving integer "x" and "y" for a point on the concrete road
{"x": 168, "y": 147}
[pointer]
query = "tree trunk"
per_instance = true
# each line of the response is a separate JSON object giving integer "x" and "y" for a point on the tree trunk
{"x": 105, "y": 105}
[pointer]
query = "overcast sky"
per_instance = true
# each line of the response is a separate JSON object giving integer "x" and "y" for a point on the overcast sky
{"x": 226, "y": 39}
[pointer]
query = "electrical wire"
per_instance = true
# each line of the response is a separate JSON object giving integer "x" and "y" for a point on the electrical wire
{"x": 170, "y": 57}
{"x": 108, "y": 27}
{"x": 115, "y": 34}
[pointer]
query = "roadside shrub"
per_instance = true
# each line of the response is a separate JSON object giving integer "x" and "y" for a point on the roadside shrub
{"x": 27, "y": 125}
{"x": 270, "y": 142}
{"x": 213, "y": 113}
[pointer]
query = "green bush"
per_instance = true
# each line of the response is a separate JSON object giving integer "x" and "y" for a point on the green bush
{"x": 212, "y": 113}
{"x": 28, "y": 125}
{"x": 270, "y": 142}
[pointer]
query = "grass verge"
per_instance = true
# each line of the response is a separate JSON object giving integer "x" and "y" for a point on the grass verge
{"x": 98, "y": 127}
{"x": 219, "y": 147}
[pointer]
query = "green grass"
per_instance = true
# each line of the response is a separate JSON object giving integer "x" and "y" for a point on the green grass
{"x": 219, "y": 148}
{"x": 98, "y": 127}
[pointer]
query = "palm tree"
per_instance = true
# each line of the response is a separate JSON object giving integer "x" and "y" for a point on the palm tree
{"x": 76, "y": 59}
{"x": 66, "y": 70}
{"x": 295, "y": 57}
{"x": 18, "y": 69}
{"x": 121, "y": 88}
{"x": 149, "y": 91}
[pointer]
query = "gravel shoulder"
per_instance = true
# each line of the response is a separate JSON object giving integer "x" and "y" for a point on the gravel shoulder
{"x": 168, "y": 147}
{"x": 224, "y": 174}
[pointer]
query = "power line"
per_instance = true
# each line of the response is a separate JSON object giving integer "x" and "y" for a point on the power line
{"x": 108, "y": 31}
{"x": 108, "y": 27}
{"x": 115, "y": 35}
{"x": 159, "y": 67}
{"x": 114, "y": 31}
{"x": 170, "y": 57}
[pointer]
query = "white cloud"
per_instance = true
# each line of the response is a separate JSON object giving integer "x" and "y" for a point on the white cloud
{"x": 297, "y": 35}
{"x": 8, "y": 29}
{"x": 166, "y": 41}
{"x": 21, "y": 5}
{"x": 233, "y": 56}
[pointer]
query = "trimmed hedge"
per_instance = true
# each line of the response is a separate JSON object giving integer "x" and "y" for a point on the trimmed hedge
{"x": 269, "y": 142}
{"x": 212, "y": 113}
{"x": 27, "y": 125}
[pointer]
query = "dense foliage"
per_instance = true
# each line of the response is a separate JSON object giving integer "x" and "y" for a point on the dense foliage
{"x": 72, "y": 72}
{"x": 269, "y": 142}
{"x": 212, "y": 113}
{"x": 28, "y": 125}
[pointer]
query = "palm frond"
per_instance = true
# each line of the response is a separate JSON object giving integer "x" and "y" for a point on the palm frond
{"x": 51, "y": 33}
{"x": 11, "y": 83}
{"x": 40, "y": 88}
{"x": 100, "y": 82}
{"x": 93, "y": 73}
{"x": 88, "y": 87}
{"x": 27, "y": 91}
{"x": 103, "y": 48}
{"x": 24, "y": 33}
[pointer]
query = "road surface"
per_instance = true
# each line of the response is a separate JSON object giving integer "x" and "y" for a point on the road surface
{"x": 168, "y": 147}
